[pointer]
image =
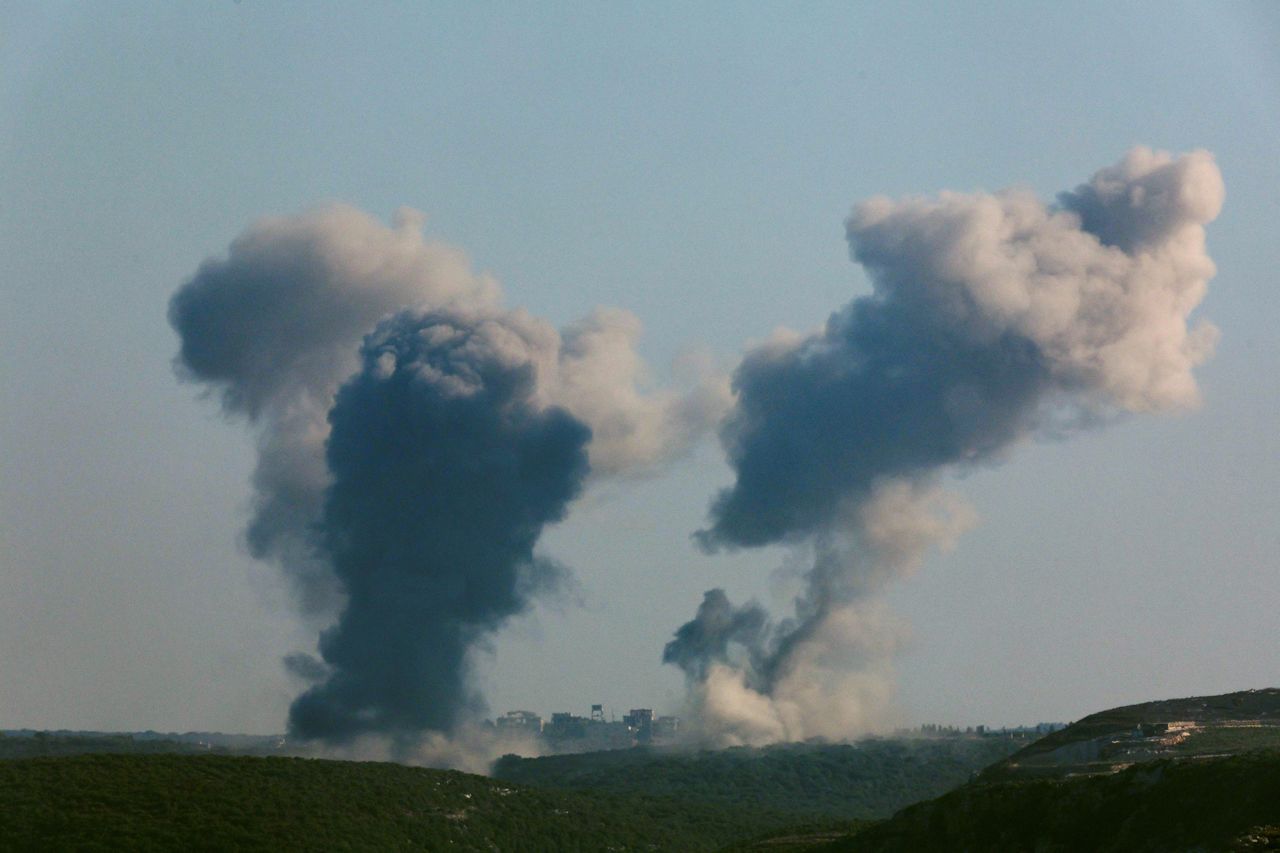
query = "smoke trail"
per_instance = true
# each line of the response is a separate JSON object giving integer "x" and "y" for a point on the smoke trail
{"x": 401, "y": 484}
{"x": 827, "y": 670}
{"x": 992, "y": 318}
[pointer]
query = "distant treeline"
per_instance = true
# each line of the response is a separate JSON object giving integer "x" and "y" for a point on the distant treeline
{"x": 870, "y": 779}
{"x": 27, "y": 743}
{"x": 212, "y": 802}
{"x": 46, "y": 744}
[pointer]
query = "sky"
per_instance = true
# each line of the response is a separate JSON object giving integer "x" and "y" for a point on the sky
{"x": 694, "y": 166}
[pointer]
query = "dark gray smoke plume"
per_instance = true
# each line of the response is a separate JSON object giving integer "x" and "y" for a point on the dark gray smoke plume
{"x": 721, "y": 633}
{"x": 404, "y": 507}
{"x": 445, "y": 470}
{"x": 991, "y": 316}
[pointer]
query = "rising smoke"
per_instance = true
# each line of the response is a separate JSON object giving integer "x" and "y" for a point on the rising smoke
{"x": 445, "y": 470}
{"x": 414, "y": 437}
{"x": 992, "y": 318}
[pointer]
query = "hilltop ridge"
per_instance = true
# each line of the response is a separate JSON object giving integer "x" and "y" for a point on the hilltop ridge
{"x": 1194, "y": 773}
{"x": 1114, "y": 739}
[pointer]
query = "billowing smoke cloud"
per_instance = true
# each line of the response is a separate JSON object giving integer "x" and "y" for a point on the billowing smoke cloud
{"x": 445, "y": 470}
{"x": 275, "y": 327}
{"x": 402, "y": 482}
{"x": 992, "y": 317}
{"x": 602, "y": 379}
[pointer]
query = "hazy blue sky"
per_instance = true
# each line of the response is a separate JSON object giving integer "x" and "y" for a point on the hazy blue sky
{"x": 692, "y": 165}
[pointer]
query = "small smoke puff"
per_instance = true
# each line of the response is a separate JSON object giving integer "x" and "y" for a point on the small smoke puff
{"x": 1147, "y": 197}
{"x": 470, "y": 748}
{"x": 720, "y": 633}
{"x": 635, "y": 429}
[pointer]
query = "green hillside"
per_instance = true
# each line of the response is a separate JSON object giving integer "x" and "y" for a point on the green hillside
{"x": 1092, "y": 786}
{"x": 870, "y": 779}
{"x": 213, "y": 802}
{"x": 1168, "y": 728}
{"x": 1199, "y": 773}
{"x": 1227, "y": 803}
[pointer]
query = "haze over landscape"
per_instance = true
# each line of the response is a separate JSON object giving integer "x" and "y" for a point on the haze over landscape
{"x": 799, "y": 372}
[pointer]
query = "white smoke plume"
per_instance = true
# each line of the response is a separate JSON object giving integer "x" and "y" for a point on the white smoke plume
{"x": 600, "y": 377}
{"x": 993, "y": 317}
{"x": 826, "y": 672}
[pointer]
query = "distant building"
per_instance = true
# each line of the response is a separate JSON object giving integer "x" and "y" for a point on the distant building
{"x": 525, "y": 722}
{"x": 666, "y": 728}
{"x": 601, "y": 735}
{"x": 564, "y": 726}
{"x": 640, "y": 722}
{"x": 566, "y": 732}
{"x": 570, "y": 733}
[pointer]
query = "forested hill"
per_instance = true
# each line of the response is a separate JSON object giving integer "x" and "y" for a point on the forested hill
{"x": 870, "y": 779}
{"x": 214, "y": 802}
{"x": 1230, "y": 803}
{"x": 1229, "y": 723}
{"x": 1199, "y": 773}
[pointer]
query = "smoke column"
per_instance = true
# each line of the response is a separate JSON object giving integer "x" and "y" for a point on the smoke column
{"x": 414, "y": 437}
{"x": 993, "y": 317}
{"x": 445, "y": 470}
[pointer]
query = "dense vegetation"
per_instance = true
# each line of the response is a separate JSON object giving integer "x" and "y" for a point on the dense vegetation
{"x": 796, "y": 797}
{"x": 213, "y": 802}
{"x": 46, "y": 744}
{"x": 873, "y": 778}
{"x": 1230, "y": 803}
